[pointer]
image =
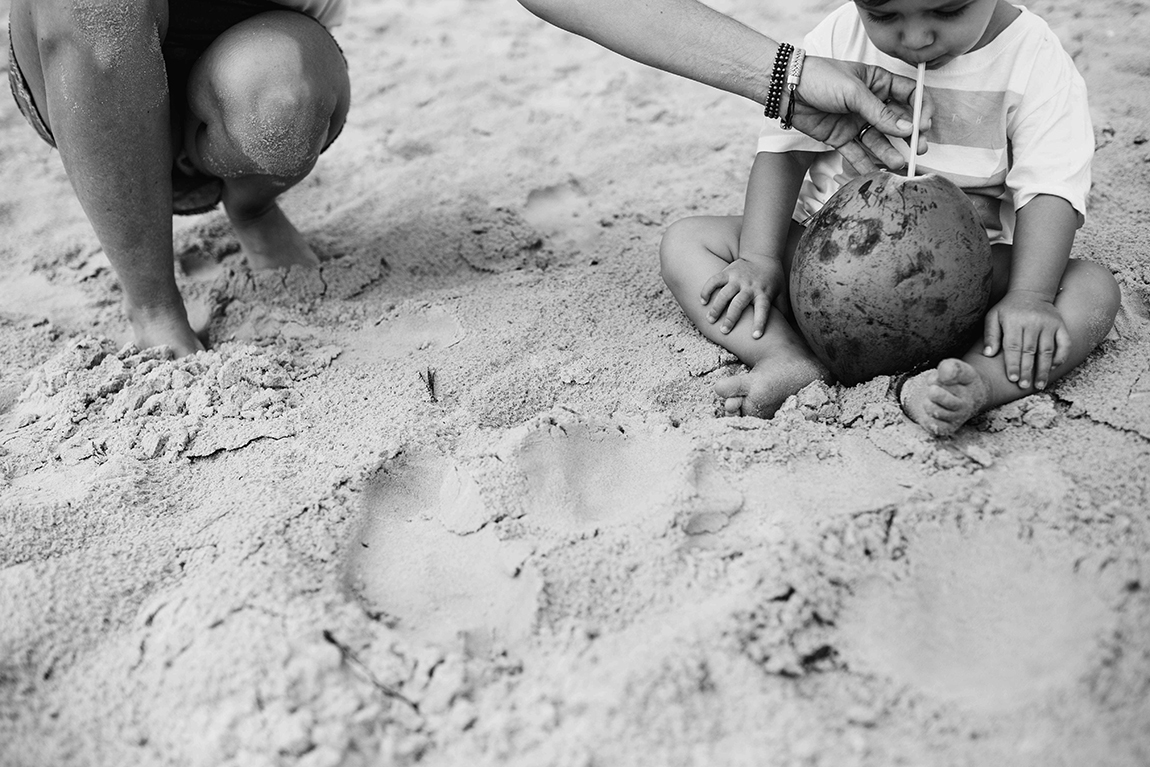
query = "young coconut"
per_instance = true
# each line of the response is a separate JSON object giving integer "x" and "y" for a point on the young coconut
{"x": 892, "y": 273}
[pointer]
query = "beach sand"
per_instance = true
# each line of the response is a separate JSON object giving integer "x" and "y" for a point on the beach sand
{"x": 462, "y": 496}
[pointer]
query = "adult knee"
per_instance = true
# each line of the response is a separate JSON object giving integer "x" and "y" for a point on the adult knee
{"x": 100, "y": 30}
{"x": 277, "y": 96}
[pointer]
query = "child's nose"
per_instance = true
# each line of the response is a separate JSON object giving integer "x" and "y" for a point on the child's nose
{"x": 917, "y": 35}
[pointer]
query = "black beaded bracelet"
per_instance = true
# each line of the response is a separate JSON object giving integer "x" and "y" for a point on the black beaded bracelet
{"x": 778, "y": 80}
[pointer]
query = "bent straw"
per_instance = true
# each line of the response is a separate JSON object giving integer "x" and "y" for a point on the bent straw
{"x": 917, "y": 116}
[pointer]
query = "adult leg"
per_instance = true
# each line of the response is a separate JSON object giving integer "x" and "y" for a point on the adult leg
{"x": 781, "y": 363}
{"x": 943, "y": 399}
{"x": 265, "y": 98}
{"x": 98, "y": 78}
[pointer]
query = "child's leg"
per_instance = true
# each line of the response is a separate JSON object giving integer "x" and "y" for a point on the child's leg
{"x": 781, "y": 363}
{"x": 264, "y": 100}
{"x": 943, "y": 399}
{"x": 96, "y": 74}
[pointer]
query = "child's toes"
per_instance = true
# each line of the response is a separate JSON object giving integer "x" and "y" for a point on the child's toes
{"x": 734, "y": 405}
{"x": 733, "y": 386}
{"x": 955, "y": 372}
{"x": 944, "y": 399}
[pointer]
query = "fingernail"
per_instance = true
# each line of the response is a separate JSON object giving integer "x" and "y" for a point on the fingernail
{"x": 988, "y": 351}
{"x": 1040, "y": 385}
{"x": 1024, "y": 384}
{"x": 904, "y": 125}
{"x": 1012, "y": 377}
{"x": 757, "y": 334}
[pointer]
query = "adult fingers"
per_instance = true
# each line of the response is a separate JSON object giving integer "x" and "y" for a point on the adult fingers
{"x": 891, "y": 91}
{"x": 858, "y": 157}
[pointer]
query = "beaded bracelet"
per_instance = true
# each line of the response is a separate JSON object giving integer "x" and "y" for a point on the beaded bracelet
{"x": 778, "y": 80}
{"x": 796, "y": 72}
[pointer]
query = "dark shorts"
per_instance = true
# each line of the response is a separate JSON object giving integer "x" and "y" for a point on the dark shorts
{"x": 192, "y": 26}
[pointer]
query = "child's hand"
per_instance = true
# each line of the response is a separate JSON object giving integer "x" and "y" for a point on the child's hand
{"x": 741, "y": 284}
{"x": 1031, "y": 334}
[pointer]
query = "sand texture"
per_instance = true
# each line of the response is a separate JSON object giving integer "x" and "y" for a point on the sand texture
{"x": 462, "y": 495}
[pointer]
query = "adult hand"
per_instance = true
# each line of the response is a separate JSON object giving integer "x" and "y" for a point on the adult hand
{"x": 836, "y": 99}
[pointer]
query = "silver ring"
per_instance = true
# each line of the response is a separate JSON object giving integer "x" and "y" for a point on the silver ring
{"x": 862, "y": 132}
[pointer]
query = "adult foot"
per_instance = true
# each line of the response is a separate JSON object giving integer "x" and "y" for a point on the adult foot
{"x": 762, "y": 390}
{"x": 943, "y": 399}
{"x": 270, "y": 241}
{"x": 164, "y": 327}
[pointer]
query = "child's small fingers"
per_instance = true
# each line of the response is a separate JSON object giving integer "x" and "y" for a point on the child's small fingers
{"x": 711, "y": 285}
{"x": 1061, "y": 347}
{"x": 719, "y": 301}
{"x": 991, "y": 334}
{"x": 762, "y": 309}
{"x": 735, "y": 310}
{"x": 1043, "y": 361}
{"x": 1027, "y": 359}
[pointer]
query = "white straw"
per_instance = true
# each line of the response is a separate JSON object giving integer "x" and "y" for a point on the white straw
{"x": 917, "y": 116}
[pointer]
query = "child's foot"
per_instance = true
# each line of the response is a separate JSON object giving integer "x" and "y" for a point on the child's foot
{"x": 270, "y": 241}
{"x": 762, "y": 390}
{"x": 943, "y": 399}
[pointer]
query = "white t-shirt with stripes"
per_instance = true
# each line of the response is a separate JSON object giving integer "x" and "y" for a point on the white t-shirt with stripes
{"x": 1010, "y": 121}
{"x": 327, "y": 12}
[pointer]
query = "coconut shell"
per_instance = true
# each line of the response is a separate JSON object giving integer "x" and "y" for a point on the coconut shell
{"x": 890, "y": 274}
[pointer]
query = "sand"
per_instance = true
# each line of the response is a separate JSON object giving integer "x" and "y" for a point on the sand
{"x": 462, "y": 495}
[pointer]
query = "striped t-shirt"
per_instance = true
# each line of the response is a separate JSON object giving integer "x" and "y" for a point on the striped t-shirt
{"x": 326, "y": 12}
{"x": 1010, "y": 121}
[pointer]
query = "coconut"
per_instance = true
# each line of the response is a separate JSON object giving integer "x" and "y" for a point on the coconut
{"x": 892, "y": 273}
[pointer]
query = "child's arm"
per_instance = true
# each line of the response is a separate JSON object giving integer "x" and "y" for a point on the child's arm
{"x": 1025, "y": 324}
{"x": 756, "y": 278}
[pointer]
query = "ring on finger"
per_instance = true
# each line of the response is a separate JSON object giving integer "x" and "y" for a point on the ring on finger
{"x": 865, "y": 128}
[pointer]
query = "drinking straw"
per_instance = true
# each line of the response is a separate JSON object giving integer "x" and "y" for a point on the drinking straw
{"x": 917, "y": 116}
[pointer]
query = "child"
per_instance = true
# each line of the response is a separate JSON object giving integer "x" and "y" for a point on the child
{"x": 162, "y": 106}
{"x": 1010, "y": 127}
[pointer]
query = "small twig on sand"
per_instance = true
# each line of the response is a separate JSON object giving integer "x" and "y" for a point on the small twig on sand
{"x": 352, "y": 660}
{"x": 428, "y": 379}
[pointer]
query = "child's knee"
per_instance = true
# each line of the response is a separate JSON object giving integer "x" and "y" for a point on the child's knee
{"x": 679, "y": 239}
{"x": 1097, "y": 283}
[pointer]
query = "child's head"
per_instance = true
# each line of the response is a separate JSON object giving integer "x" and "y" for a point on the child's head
{"x": 934, "y": 31}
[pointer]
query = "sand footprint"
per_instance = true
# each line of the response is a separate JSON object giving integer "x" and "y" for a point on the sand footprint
{"x": 577, "y": 476}
{"x": 983, "y": 618}
{"x": 561, "y": 209}
{"x": 425, "y": 558}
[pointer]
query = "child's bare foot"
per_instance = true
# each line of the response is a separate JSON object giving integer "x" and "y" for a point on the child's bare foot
{"x": 943, "y": 399}
{"x": 154, "y": 327}
{"x": 270, "y": 241}
{"x": 762, "y": 390}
